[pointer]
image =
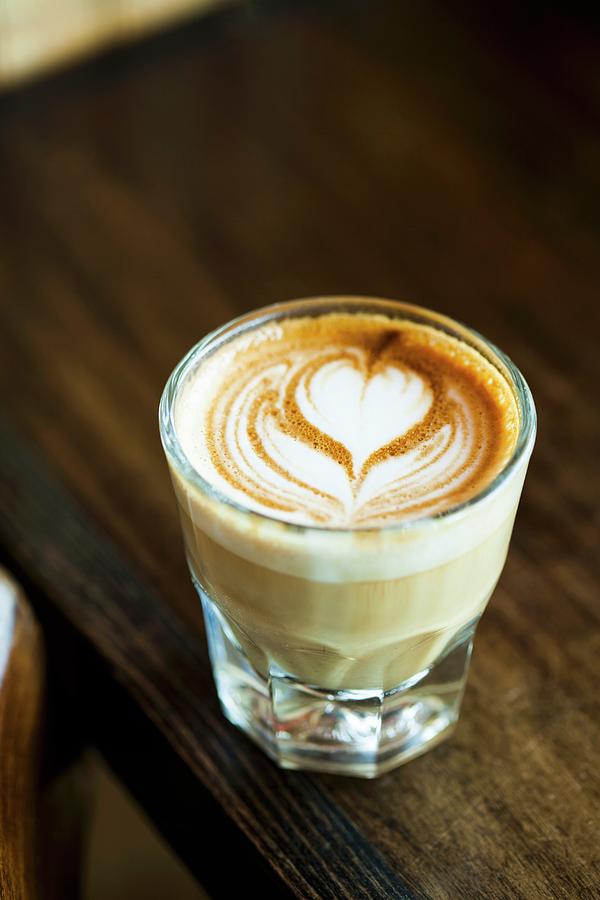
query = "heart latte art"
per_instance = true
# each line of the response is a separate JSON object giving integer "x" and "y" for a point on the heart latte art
{"x": 347, "y": 420}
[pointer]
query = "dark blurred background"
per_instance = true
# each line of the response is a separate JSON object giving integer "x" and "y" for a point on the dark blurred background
{"x": 167, "y": 165}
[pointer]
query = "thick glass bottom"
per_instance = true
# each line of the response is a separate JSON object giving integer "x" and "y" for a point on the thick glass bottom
{"x": 360, "y": 733}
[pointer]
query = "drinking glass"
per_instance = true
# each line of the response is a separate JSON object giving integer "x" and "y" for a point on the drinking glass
{"x": 338, "y": 649}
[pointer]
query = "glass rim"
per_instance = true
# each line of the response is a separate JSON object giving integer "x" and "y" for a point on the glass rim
{"x": 255, "y": 318}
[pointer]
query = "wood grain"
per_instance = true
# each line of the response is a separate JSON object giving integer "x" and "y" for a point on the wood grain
{"x": 21, "y": 681}
{"x": 421, "y": 151}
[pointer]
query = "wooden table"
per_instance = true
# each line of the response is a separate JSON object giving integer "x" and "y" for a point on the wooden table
{"x": 282, "y": 150}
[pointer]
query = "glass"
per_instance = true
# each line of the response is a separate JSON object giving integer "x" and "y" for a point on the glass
{"x": 344, "y": 650}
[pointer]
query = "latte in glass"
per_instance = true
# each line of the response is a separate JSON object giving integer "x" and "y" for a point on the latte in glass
{"x": 348, "y": 471}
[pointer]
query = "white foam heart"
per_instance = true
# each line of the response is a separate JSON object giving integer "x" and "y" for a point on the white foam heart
{"x": 364, "y": 414}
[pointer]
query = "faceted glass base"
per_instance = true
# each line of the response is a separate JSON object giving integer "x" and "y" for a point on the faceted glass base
{"x": 360, "y": 733}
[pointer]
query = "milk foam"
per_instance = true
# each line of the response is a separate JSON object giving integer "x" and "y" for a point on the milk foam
{"x": 346, "y": 420}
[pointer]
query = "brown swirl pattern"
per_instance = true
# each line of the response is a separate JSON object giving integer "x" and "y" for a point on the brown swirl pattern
{"x": 348, "y": 420}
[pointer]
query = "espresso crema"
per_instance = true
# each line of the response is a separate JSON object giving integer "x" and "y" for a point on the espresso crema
{"x": 347, "y": 420}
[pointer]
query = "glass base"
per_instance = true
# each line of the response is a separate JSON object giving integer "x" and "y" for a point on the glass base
{"x": 360, "y": 733}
